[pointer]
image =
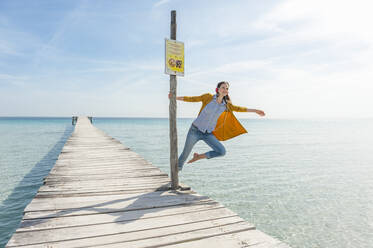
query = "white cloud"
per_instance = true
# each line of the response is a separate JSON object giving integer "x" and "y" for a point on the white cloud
{"x": 320, "y": 19}
{"x": 7, "y": 49}
{"x": 321, "y": 64}
{"x": 12, "y": 77}
{"x": 161, "y": 2}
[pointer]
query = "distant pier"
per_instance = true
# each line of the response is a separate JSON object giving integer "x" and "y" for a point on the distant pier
{"x": 75, "y": 119}
{"x": 102, "y": 194}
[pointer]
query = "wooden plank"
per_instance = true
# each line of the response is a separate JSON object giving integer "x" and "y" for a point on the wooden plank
{"x": 81, "y": 219}
{"x": 250, "y": 238}
{"x": 72, "y": 178}
{"x": 150, "y": 199}
{"x": 120, "y": 233}
{"x": 75, "y": 231}
{"x": 104, "y": 163}
{"x": 83, "y": 211}
{"x": 100, "y": 192}
{"x": 151, "y": 187}
{"x": 114, "y": 181}
{"x": 104, "y": 173}
{"x": 101, "y": 170}
{"x": 89, "y": 181}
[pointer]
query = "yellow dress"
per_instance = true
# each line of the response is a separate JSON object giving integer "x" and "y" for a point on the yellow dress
{"x": 227, "y": 125}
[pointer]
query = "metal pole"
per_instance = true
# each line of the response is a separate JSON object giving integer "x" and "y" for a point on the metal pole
{"x": 172, "y": 116}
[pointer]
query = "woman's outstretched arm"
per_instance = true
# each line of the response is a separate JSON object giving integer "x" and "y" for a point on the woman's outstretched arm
{"x": 188, "y": 98}
{"x": 180, "y": 98}
{"x": 259, "y": 112}
{"x": 244, "y": 109}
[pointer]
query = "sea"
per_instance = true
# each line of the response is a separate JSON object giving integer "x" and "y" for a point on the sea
{"x": 306, "y": 182}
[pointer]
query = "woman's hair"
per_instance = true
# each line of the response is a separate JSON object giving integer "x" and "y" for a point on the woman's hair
{"x": 225, "y": 98}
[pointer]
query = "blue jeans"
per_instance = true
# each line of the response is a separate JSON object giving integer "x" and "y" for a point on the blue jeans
{"x": 195, "y": 135}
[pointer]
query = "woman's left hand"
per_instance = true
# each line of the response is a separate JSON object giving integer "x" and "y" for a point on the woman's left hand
{"x": 260, "y": 112}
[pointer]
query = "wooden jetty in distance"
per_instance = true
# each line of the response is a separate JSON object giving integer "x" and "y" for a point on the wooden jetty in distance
{"x": 102, "y": 194}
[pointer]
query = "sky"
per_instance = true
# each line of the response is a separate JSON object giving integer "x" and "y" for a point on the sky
{"x": 290, "y": 58}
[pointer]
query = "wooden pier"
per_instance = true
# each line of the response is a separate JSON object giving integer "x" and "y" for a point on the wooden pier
{"x": 102, "y": 194}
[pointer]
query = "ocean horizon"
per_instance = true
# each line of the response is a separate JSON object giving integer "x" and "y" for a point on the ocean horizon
{"x": 307, "y": 182}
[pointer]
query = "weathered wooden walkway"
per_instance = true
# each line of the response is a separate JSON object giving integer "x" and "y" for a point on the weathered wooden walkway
{"x": 102, "y": 194}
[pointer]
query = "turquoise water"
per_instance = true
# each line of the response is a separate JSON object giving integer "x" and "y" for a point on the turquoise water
{"x": 29, "y": 148}
{"x": 306, "y": 182}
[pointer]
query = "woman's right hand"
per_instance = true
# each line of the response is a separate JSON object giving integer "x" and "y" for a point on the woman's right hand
{"x": 180, "y": 98}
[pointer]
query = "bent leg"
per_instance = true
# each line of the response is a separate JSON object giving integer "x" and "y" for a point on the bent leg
{"x": 216, "y": 145}
{"x": 191, "y": 140}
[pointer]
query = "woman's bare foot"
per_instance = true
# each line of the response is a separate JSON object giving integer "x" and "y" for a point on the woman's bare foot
{"x": 196, "y": 157}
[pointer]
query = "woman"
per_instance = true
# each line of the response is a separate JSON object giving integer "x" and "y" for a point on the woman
{"x": 215, "y": 122}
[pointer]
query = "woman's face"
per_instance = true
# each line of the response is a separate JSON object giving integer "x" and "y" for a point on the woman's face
{"x": 223, "y": 90}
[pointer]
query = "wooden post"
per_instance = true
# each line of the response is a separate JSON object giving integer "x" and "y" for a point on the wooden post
{"x": 172, "y": 116}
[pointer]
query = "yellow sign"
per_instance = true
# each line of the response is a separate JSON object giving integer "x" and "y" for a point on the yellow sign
{"x": 174, "y": 57}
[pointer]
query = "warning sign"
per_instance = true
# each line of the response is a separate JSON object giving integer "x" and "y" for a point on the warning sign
{"x": 174, "y": 56}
